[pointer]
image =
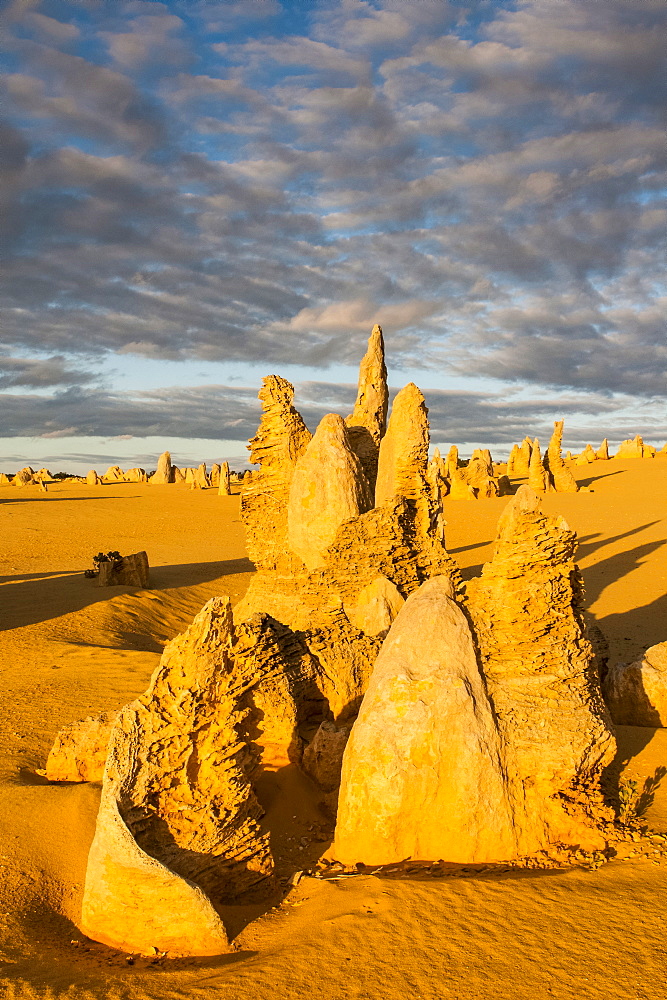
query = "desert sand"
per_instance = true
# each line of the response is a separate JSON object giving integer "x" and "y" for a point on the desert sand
{"x": 70, "y": 649}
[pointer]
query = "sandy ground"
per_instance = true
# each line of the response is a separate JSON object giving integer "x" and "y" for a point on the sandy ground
{"x": 68, "y": 649}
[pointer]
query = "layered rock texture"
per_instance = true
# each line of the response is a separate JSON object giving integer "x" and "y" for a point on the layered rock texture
{"x": 483, "y": 734}
{"x": 281, "y": 438}
{"x": 526, "y": 611}
{"x": 177, "y": 807}
{"x": 636, "y": 693}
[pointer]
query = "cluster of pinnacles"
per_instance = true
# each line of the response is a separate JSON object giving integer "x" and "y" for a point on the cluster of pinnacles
{"x": 468, "y": 721}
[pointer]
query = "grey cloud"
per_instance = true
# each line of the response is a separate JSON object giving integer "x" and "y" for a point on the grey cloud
{"x": 220, "y": 413}
{"x": 444, "y": 202}
{"x": 40, "y": 372}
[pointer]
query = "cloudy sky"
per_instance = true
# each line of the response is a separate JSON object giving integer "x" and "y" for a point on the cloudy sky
{"x": 197, "y": 193}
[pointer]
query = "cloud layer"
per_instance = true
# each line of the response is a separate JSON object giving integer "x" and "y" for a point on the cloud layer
{"x": 243, "y": 181}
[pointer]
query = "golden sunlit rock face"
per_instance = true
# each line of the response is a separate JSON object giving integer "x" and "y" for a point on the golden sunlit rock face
{"x": 423, "y": 772}
{"x": 328, "y": 487}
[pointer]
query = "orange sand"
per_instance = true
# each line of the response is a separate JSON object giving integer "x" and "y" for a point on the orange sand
{"x": 68, "y": 649}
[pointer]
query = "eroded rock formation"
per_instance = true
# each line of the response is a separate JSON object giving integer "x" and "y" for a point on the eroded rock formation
{"x": 176, "y": 795}
{"x": 164, "y": 472}
{"x": 526, "y": 611}
{"x": 483, "y": 734}
{"x": 602, "y": 453}
{"x": 328, "y": 487}
{"x": 79, "y": 752}
{"x": 403, "y": 459}
{"x": 131, "y": 571}
{"x": 423, "y": 768}
{"x": 635, "y": 448}
{"x": 538, "y": 477}
{"x": 366, "y": 424}
{"x": 519, "y": 460}
{"x": 562, "y": 479}
{"x": 224, "y": 481}
{"x": 281, "y": 438}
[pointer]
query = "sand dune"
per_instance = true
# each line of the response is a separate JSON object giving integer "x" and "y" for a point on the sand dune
{"x": 69, "y": 649}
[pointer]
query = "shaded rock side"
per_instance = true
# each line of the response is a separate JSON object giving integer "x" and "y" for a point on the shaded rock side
{"x": 24, "y": 477}
{"x": 164, "y": 472}
{"x": 562, "y": 479}
{"x": 403, "y": 458}
{"x": 114, "y": 474}
{"x": 328, "y": 487}
{"x": 176, "y": 771}
{"x": 422, "y": 772}
{"x": 323, "y": 760}
{"x": 367, "y": 422}
{"x": 200, "y": 479}
{"x": 459, "y": 487}
{"x": 541, "y": 677}
{"x": 131, "y": 571}
{"x": 636, "y": 693}
{"x": 300, "y": 679}
{"x": 136, "y": 475}
{"x": 281, "y": 439}
{"x": 79, "y": 751}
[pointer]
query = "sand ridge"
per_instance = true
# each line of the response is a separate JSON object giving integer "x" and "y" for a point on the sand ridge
{"x": 69, "y": 649}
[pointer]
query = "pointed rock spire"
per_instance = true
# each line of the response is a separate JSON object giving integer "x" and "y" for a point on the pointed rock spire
{"x": 224, "y": 484}
{"x": 561, "y": 477}
{"x": 538, "y": 477}
{"x": 366, "y": 424}
{"x": 164, "y": 472}
{"x": 328, "y": 487}
{"x": 403, "y": 458}
{"x": 526, "y": 611}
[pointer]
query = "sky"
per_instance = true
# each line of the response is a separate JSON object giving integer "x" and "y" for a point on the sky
{"x": 198, "y": 193}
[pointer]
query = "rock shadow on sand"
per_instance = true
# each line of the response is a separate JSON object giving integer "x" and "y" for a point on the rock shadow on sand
{"x": 27, "y": 600}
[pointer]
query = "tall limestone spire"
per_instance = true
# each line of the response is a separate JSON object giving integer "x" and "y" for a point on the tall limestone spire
{"x": 366, "y": 424}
